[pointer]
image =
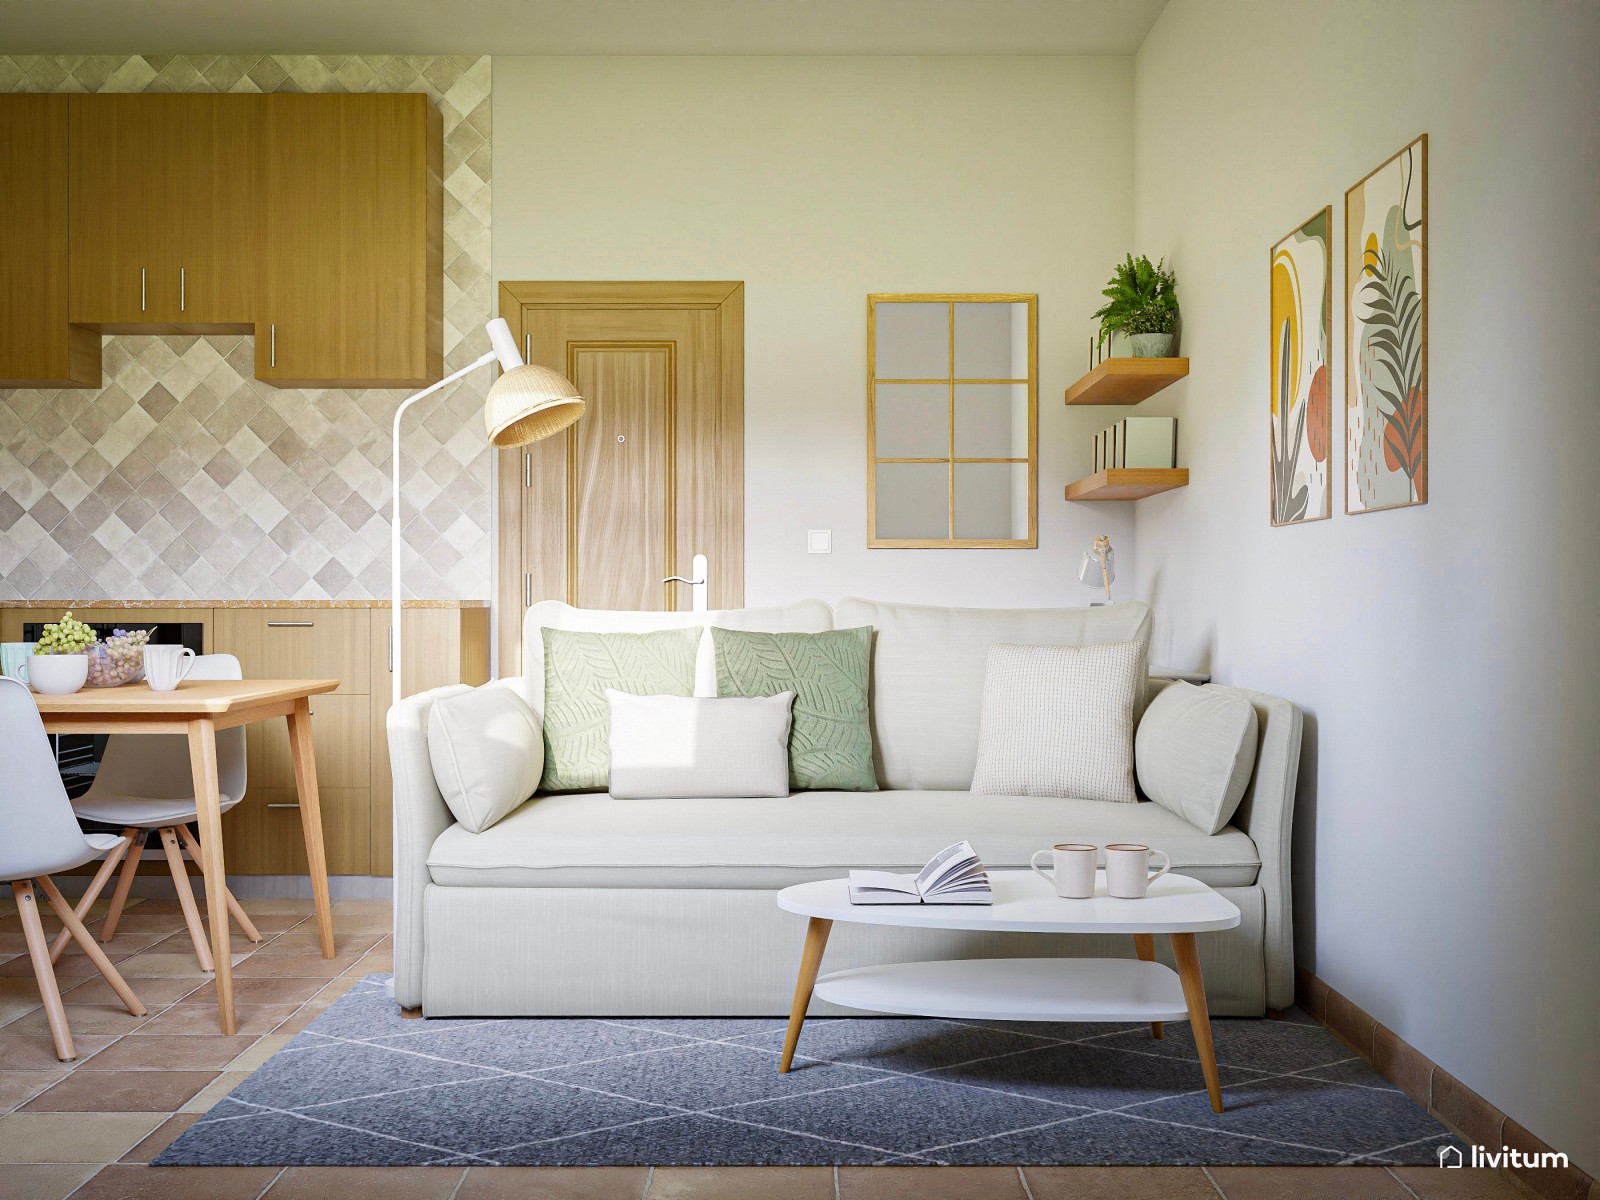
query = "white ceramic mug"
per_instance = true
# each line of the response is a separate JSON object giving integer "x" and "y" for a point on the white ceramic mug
{"x": 1128, "y": 869}
{"x": 165, "y": 667}
{"x": 1071, "y": 869}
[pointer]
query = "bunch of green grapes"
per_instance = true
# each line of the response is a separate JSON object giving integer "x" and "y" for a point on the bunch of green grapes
{"x": 119, "y": 659}
{"x": 65, "y": 636}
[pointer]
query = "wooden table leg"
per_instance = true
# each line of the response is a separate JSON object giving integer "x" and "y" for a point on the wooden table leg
{"x": 1144, "y": 945}
{"x": 1194, "y": 996}
{"x": 305, "y": 782}
{"x": 810, "y": 959}
{"x": 208, "y": 813}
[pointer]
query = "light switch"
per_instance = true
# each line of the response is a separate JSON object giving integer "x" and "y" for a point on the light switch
{"x": 819, "y": 541}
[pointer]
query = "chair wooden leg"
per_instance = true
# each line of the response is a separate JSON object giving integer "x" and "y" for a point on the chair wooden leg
{"x": 130, "y": 868}
{"x": 90, "y": 895}
{"x": 191, "y": 912}
{"x": 39, "y": 951}
{"x": 246, "y": 925}
{"x": 97, "y": 956}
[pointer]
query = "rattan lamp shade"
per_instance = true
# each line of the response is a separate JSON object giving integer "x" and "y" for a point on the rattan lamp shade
{"x": 530, "y": 403}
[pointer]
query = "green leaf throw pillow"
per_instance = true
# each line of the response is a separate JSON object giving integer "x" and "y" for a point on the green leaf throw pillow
{"x": 830, "y": 741}
{"x": 578, "y": 668}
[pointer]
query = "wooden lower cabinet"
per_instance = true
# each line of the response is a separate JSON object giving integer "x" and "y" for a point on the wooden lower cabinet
{"x": 262, "y": 836}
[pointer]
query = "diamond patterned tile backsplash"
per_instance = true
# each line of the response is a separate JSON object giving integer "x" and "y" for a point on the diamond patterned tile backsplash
{"x": 186, "y": 478}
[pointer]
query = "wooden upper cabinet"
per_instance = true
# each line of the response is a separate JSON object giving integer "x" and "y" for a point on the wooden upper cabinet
{"x": 164, "y": 193}
{"x": 351, "y": 237}
{"x": 38, "y": 348}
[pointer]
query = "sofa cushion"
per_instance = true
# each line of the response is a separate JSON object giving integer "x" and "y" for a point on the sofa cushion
{"x": 670, "y": 746}
{"x": 1058, "y": 721}
{"x": 487, "y": 754}
{"x": 927, "y": 675}
{"x": 830, "y": 741}
{"x": 803, "y": 616}
{"x": 579, "y": 668}
{"x": 599, "y": 841}
{"x": 1195, "y": 750}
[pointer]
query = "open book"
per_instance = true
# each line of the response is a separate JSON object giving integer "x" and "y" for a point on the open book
{"x": 953, "y": 876}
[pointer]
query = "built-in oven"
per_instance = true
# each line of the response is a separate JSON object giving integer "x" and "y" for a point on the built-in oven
{"x": 78, "y": 754}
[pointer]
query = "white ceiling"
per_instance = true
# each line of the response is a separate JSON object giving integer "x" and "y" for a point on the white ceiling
{"x": 575, "y": 26}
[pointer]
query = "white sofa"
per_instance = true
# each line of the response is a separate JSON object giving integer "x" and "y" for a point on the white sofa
{"x": 584, "y": 904}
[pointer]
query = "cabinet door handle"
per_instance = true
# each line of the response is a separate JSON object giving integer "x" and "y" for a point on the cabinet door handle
{"x": 272, "y": 360}
{"x": 527, "y": 347}
{"x": 141, "y": 290}
{"x": 275, "y": 804}
{"x": 183, "y": 292}
{"x": 290, "y": 624}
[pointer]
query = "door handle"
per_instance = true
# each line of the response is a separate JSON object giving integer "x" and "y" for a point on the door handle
{"x": 141, "y": 290}
{"x": 699, "y": 583}
{"x": 272, "y": 350}
{"x": 183, "y": 302}
{"x": 290, "y": 624}
{"x": 273, "y": 804}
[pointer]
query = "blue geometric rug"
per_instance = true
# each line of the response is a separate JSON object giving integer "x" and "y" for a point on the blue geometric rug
{"x": 364, "y": 1087}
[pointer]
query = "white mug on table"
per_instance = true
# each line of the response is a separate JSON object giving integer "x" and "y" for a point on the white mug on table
{"x": 1128, "y": 869}
{"x": 165, "y": 667}
{"x": 1072, "y": 869}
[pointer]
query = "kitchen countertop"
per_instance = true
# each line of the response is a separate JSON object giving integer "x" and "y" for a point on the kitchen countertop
{"x": 137, "y": 604}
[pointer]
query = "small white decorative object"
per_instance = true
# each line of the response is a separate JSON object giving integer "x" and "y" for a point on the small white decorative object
{"x": 165, "y": 667}
{"x": 1099, "y": 566}
{"x": 57, "y": 674}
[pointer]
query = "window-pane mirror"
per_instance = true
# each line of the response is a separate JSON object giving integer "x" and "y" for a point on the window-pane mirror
{"x": 952, "y": 402}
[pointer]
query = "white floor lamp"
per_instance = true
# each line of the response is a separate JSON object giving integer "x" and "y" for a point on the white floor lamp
{"x": 525, "y": 404}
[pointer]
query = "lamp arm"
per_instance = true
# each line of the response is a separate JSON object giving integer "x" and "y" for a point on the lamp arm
{"x": 394, "y": 516}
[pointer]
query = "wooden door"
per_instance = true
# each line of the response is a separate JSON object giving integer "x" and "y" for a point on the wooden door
{"x": 651, "y": 475}
{"x": 38, "y": 348}
{"x": 217, "y": 178}
{"x": 352, "y": 241}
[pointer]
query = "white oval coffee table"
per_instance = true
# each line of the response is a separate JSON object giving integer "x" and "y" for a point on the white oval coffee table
{"x": 1023, "y": 989}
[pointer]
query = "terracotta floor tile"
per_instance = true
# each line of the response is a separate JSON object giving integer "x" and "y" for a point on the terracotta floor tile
{"x": 154, "y": 992}
{"x": 10, "y": 1010}
{"x": 164, "y": 1135}
{"x": 18, "y": 1087}
{"x": 737, "y": 1183}
{"x": 206, "y": 1098}
{"x": 259, "y": 1051}
{"x": 930, "y": 1183}
{"x": 81, "y": 1137}
{"x": 1125, "y": 1183}
{"x": 44, "y": 1183}
{"x": 189, "y": 1019}
{"x": 301, "y": 1017}
{"x": 1308, "y": 1183}
{"x": 392, "y": 1183}
{"x": 110, "y": 1019}
{"x": 120, "y": 1091}
{"x": 177, "y": 1183}
{"x": 196, "y": 1052}
{"x": 1430, "y": 1183}
{"x": 279, "y": 906}
{"x": 304, "y": 943}
{"x": 127, "y": 941}
{"x": 38, "y": 1053}
{"x": 70, "y": 967}
{"x": 294, "y": 966}
{"x": 18, "y": 990}
{"x": 553, "y": 1183}
{"x": 285, "y": 990}
{"x": 161, "y": 964}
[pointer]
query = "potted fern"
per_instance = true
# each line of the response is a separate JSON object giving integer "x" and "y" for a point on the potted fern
{"x": 1142, "y": 303}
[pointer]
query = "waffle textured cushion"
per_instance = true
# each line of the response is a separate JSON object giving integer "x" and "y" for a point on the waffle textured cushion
{"x": 1058, "y": 721}
{"x": 1195, "y": 750}
{"x": 830, "y": 739}
{"x": 578, "y": 668}
{"x": 487, "y": 754}
{"x": 676, "y": 746}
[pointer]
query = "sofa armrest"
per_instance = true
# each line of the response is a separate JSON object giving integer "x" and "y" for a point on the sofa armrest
{"x": 420, "y": 816}
{"x": 1267, "y": 814}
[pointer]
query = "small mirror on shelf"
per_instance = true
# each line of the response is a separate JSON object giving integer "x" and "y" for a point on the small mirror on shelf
{"x": 952, "y": 398}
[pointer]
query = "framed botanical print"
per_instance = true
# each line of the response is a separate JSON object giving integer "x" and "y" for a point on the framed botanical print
{"x": 1301, "y": 311}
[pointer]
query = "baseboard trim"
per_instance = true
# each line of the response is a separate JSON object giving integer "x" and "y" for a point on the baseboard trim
{"x": 1451, "y": 1102}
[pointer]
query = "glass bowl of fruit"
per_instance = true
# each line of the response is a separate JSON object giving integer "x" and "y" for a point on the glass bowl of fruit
{"x": 119, "y": 659}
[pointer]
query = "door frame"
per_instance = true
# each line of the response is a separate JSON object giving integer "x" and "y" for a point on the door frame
{"x": 726, "y": 299}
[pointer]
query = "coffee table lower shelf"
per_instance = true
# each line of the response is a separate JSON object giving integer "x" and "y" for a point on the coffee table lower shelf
{"x": 1013, "y": 989}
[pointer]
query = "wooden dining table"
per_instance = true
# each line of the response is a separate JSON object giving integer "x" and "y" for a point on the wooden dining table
{"x": 197, "y": 710}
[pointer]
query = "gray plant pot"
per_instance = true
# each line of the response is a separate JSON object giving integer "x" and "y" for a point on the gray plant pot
{"x": 1151, "y": 345}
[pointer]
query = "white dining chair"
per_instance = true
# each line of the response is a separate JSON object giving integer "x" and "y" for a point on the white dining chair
{"x": 39, "y": 836}
{"x": 145, "y": 785}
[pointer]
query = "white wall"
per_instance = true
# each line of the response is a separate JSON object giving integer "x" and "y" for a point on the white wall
{"x": 817, "y": 181}
{"x": 1448, "y": 837}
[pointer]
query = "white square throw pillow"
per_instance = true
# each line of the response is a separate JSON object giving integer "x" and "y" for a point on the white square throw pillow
{"x": 693, "y": 746}
{"x": 1058, "y": 721}
{"x": 1195, "y": 750}
{"x": 487, "y": 751}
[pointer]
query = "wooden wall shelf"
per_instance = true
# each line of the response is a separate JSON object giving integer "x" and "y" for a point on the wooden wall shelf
{"x": 1126, "y": 380}
{"x": 1128, "y": 483}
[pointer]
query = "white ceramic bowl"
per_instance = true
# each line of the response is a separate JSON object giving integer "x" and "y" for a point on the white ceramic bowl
{"x": 57, "y": 674}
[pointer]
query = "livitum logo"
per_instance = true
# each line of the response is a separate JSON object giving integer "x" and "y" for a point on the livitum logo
{"x": 1482, "y": 1156}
